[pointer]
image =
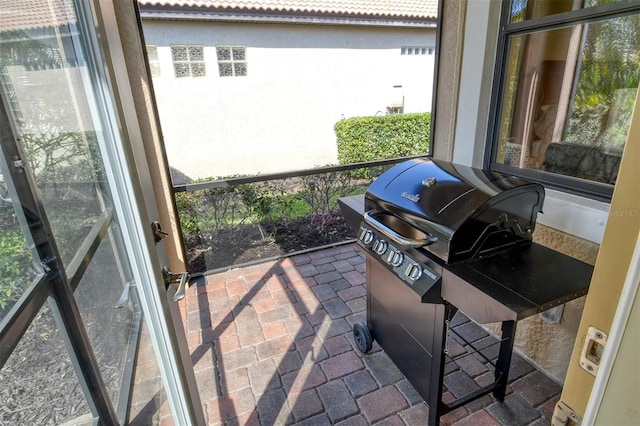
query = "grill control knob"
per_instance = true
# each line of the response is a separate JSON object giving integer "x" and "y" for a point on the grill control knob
{"x": 395, "y": 258}
{"x": 380, "y": 246}
{"x": 366, "y": 236}
{"x": 414, "y": 272}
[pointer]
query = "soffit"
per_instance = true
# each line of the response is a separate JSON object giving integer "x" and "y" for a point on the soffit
{"x": 421, "y": 9}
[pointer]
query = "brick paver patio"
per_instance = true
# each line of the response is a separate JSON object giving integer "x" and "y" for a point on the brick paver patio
{"x": 272, "y": 345}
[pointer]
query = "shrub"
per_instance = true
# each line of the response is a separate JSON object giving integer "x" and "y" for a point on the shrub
{"x": 207, "y": 213}
{"x": 16, "y": 267}
{"x": 270, "y": 201}
{"x": 375, "y": 138}
{"x": 321, "y": 191}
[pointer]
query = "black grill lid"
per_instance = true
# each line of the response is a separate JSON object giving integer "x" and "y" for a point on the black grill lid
{"x": 463, "y": 207}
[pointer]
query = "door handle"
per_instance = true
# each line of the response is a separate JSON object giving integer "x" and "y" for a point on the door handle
{"x": 181, "y": 278}
{"x": 158, "y": 233}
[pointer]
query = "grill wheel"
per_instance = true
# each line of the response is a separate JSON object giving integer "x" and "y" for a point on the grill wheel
{"x": 362, "y": 337}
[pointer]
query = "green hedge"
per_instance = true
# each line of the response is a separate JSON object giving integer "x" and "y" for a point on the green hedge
{"x": 380, "y": 137}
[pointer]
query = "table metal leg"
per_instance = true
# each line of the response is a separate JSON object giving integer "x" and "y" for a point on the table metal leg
{"x": 436, "y": 407}
{"x": 504, "y": 359}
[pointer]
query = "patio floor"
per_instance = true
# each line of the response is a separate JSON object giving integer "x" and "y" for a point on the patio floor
{"x": 272, "y": 344}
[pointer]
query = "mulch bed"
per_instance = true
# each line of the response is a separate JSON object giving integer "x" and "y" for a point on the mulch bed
{"x": 255, "y": 242}
{"x": 38, "y": 383}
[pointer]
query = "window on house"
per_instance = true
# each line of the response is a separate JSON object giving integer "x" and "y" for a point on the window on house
{"x": 417, "y": 50}
{"x": 232, "y": 61}
{"x": 566, "y": 93}
{"x": 188, "y": 61}
{"x": 154, "y": 63}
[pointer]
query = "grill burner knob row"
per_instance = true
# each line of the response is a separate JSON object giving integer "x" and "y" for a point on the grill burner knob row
{"x": 366, "y": 236}
{"x": 414, "y": 272}
{"x": 379, "y": 247}
{"x": 395, "y": 258}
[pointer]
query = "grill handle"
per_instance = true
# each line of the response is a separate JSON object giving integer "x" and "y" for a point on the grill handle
{"x": 394, "y": 236}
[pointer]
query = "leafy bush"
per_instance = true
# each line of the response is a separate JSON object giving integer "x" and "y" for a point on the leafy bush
{"x": 321, "y": 192}
{"x": 375, "y": 138}
{"x": 57, "y": 156}
{"x": 207, "y": 213}
{"x": 271, "y": 200}
{"x": 16, "y": 267}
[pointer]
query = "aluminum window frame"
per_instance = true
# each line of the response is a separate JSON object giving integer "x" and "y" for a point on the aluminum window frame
{"x": 507, "y": 32}
{"x": 53, "y": 283}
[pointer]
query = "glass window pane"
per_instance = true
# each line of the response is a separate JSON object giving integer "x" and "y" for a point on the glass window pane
{"x": 241, "y": 68}
{"x": 238, "y": 54}
{"x": 17, "y": 270}
{"x": 196, "y": 53}
{"x": 198, "y": 69}
{"x": 109, "y": 328}
{"x": 148, "y": 396}
{"x": 39, "y": 383}
{"x": 152, "y": 52}
{"x": 225, "y": 69}
{"x": 56, "y": 130}
{"x": 182, "y": 70}
{"x": 568, "y": 99}
{"x": 224, "y": 53}
{"x": 522, "y": 10}
{"x": 155, "y": 69}
{"x": 154, "y": 62}
{"x": 530, "y": 9}
{"x": 179, "y": 53}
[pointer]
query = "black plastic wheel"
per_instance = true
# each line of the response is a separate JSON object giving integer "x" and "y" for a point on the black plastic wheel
{"x": 362, "y": 336}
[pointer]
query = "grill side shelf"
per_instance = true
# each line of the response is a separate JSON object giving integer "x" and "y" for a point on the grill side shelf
{"x": 515, "y": 284}
{"x": 352, "y": 209}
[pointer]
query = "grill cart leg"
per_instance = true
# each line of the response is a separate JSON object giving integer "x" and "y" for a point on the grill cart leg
{"x": 504, "y": 359}
{"x": 498, "y": 387}
{"x": 438, "y": 408}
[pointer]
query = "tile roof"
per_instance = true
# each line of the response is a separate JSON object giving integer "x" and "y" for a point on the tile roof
{"x": 30, "y": 14}
{"x": 421, "y": 9}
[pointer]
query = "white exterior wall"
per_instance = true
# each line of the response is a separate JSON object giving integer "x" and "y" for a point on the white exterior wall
{"x": 301, "y": 80}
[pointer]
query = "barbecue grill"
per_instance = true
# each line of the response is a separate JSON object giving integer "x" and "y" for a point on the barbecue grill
{"x": 438, "y": 238}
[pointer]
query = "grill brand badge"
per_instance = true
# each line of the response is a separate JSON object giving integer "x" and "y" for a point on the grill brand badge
{"x": 415, "y": 198}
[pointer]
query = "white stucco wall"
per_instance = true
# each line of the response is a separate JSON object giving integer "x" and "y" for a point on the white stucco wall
{"x": 301, "y": 80}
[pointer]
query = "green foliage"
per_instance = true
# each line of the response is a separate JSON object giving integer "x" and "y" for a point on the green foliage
{"x": 375, "y": 138}
{"x": 70, "y": 175}
{"x": 18, "y": 48}
{"x": 15, "y": 259}
{"x": 63, "y": 156}
{"x": 270, "y": 201}
{"x": 321, "y": 192}
{"x": 608, "y": 83}
{"x": 209, "y": 212}
{"x": 234, "y": 213}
